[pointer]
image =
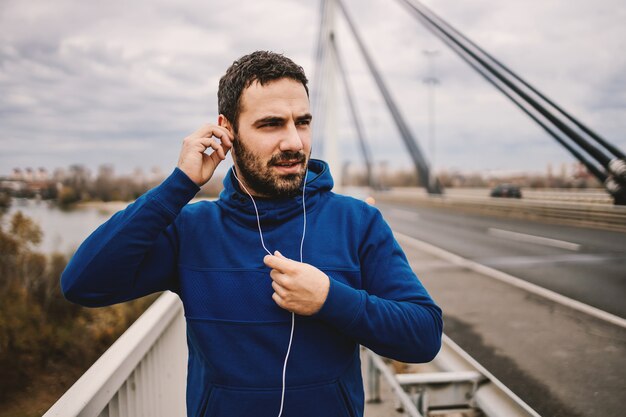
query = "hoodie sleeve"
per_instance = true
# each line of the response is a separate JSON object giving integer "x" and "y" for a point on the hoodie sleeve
{"x": 392, "y": 314}
{"x": 134, "y": 253}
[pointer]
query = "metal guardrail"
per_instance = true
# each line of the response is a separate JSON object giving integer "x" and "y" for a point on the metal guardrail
{"x": 582, "y": 195}
{"x": 142, "y": 374}
{"x": 604, "y": 216}
{"x": 460, "y": 384}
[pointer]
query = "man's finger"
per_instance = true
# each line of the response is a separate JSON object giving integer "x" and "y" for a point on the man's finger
{"x": 206, "y": 130}
{"x": 279, "y": 300}
{"x": 282, "y": 264}
{"x": 224, "y": 135}
{"x": 218, "y": 148}
{"x": 209, "y": 142}
{"x": 281, "y": 278}
{"x": 214, "y": 157}
{"x": 209, "y": 130}
{"x": 278, "y": 289}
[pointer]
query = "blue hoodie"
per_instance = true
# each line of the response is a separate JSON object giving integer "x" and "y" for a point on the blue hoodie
{"x": 210, "y": 254}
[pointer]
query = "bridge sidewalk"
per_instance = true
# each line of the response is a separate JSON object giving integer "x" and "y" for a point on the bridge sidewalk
{"x": 558, "y": 360}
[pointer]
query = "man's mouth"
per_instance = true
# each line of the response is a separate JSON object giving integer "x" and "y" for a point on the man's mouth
{"x": 289, "y": 166}
{"x": 289, "y": 163}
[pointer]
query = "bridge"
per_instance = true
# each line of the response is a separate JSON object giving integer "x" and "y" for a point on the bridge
{"x": 534, "y": 303}
{"x": 601, "y": 158}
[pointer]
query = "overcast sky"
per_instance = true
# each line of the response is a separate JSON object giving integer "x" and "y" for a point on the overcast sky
{"x": 123, "y": 82}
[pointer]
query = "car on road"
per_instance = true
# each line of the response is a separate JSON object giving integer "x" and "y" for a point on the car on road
{"x": 506, "y": 190}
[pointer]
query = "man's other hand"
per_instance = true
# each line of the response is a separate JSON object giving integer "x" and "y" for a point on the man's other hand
{"x": 193, "y": 160}
{"x": 298, "y": 287}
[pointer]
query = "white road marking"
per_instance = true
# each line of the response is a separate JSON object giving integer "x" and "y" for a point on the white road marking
{"x": 539, "y": 240}
{"x": 510, "y": 279}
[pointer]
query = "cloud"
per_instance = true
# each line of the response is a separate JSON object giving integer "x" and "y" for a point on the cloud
{"x": 124, "y": 82}
{"x": 554, "y": 45}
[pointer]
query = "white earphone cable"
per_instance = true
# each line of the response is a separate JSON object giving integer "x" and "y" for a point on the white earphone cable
{"x": 293, "y": 318}
{"x": 256, "y": 210}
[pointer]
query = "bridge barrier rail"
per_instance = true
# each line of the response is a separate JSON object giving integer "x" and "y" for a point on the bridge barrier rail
{"x": 460, "y": 384}
{"x": 584, "y": 195}
{"x": 144, "y": 373}
{"x": 603, "y": 216}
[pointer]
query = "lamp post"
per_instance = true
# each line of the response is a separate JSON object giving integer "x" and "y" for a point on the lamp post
{"x": 431, "y": 81}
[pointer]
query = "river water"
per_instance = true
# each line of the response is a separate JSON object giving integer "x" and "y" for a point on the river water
{"x": 64, "y": 230}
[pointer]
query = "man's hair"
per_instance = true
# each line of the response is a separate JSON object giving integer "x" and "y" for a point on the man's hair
{"x": 260, "y": 66}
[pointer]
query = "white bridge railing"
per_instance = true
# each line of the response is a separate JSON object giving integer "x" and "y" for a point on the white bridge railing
{"x": 144, "y": 374}
{"x": 459, "y": 385}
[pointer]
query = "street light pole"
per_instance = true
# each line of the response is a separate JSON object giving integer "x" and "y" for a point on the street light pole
{"x": 431, "y": 81}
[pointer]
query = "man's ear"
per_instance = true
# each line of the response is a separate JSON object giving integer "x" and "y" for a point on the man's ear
{"x": 223, "y": 121}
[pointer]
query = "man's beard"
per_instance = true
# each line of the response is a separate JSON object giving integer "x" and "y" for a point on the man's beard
{"x": 261, "y": 178}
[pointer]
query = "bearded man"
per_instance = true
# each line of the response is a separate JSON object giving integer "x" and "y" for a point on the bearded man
{"x": 280, "y": 278}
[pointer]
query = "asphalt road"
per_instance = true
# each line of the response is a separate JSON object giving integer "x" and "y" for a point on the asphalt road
{"x": 562, "y": 362}
{"x": 588, "y": 265}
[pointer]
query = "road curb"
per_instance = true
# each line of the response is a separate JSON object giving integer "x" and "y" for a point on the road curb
{"x": 510, "y": 279}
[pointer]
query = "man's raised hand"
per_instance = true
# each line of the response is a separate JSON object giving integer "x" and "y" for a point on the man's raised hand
{"x": 193, "y": 160}
{"x": 298, "y": 287}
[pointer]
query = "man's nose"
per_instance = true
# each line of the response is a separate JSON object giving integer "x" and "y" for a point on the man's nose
{"x": 291, "y": 140}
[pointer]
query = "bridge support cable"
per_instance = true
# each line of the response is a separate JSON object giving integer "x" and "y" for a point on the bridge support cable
{"x": 358, "y": 125}
{"x": 607, "y": 145}
{"x": 421, "y": 165}
{"x": 592, "y": 166}
{"x": 442, "y": 28}
{"x": 610, "y": 159}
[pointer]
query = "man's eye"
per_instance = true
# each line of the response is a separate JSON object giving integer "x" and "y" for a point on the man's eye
{"x": 304, "y": 122}
{"x": 270, "y": 124}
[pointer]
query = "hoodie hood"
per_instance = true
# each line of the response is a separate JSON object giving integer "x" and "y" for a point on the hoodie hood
{"x": 275, "y": 211}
